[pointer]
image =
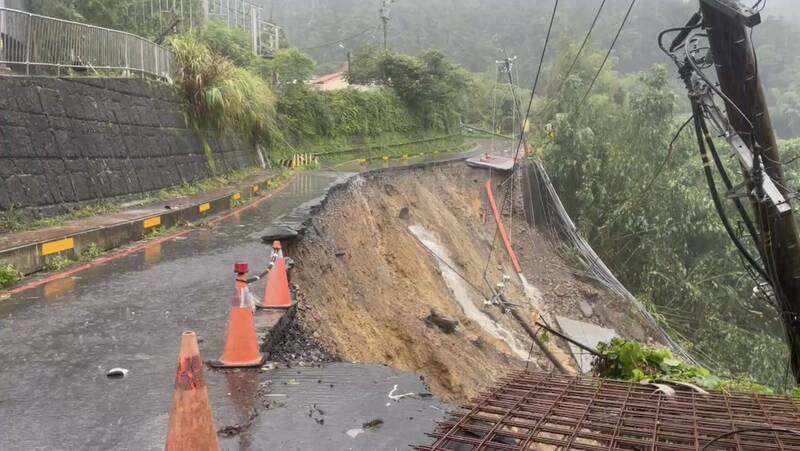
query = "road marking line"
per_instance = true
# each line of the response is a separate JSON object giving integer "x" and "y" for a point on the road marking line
{"x": 202, "y": 208}
{"x": 152, "y": 222}
{"x": 54, "y": 247}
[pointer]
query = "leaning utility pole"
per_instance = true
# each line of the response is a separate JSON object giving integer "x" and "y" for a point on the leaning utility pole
{"x": 727, "y": 22}
{"x": 384, "y": 13}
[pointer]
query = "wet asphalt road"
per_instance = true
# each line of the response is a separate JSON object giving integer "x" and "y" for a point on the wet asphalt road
{"x": 58, "y": 340}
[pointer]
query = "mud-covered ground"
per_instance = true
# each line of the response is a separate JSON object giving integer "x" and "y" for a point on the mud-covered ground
{"x": 390, "y": 247}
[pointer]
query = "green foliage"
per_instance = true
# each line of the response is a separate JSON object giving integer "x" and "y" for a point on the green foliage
{"x": 57, "y": 263}
{"x": 305, "y": 114}
{"x": 629, "y": 360}
{"x": 91, "y": 252}
{"x": 288, "y": 66}
{"x": 233, "y": 44}
{"x": 432, "y": 86}
{"x": 220, "y": 96}
{"x": 9, "y": 275}
{"x": 10, "y": 221}
{"x": 646, "y": 210}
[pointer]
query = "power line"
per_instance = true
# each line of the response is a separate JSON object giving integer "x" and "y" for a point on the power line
{"x": 328, "y": 44}
{"x": 608, "y": 54}
{"x": 580, "y": 50}
{"x": 522, "y": 132}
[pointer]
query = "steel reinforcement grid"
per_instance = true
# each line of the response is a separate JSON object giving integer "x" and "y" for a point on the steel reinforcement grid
{"x": 531, "y": 411}
{"x": 44, "y": 46}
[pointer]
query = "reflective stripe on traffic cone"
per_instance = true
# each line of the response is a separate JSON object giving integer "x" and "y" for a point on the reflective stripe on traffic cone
{"x": 241, "y": 347}
{"x": 191, "y": 424}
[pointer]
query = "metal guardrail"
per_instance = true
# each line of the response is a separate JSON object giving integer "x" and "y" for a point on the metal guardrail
{"x": 31, "y": 44}
{"x": 157, "y": 16}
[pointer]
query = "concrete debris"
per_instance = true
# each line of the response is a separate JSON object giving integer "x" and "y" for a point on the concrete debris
{"x": 444, "y": 323}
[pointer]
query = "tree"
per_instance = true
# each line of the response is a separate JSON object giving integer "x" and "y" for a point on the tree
{"x": 432, "y": 86}
{"x": 289, "y": 66}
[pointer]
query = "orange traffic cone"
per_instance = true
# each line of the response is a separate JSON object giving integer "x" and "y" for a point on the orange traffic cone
{"x": 241, "y": 348}
{"x": 191, "y": 425}
{"x": 277, "y": 294}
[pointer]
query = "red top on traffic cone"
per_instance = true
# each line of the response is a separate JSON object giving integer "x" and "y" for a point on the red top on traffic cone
{"x": 191, "y": 424}
{"x": 277, "y": 294}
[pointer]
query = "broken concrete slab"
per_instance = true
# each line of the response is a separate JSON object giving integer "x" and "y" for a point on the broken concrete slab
{"x": 586, "y": 334}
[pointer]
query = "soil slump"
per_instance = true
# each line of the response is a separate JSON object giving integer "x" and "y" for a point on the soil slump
{"x": 387, "y": 249}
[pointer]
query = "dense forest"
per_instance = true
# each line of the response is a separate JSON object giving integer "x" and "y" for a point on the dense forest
{"x": 476, "y": 33}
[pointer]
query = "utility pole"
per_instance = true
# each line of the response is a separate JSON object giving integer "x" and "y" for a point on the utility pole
{"x": 505, "y": 65}
{"x": 384, "y": 13}
{"x": 726, "y": 23}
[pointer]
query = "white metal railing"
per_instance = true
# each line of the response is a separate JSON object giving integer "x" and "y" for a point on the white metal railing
{"x": 156, "y": 16}
{"x": 44, "y": 46}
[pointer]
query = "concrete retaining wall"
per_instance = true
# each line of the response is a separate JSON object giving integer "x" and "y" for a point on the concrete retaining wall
{"x": 69, "y": 142}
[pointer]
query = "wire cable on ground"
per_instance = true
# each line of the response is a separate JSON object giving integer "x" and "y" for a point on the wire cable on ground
{"x": 608, "y": 54}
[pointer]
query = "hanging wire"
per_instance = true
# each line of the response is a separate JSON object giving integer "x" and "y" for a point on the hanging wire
{"x": 608, "y": 54}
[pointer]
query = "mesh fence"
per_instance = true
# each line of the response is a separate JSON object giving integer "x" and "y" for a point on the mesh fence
{"x": 544, "y": 209}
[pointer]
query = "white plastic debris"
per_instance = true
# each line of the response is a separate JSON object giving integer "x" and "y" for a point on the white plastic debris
{"x": 353, "y": 433}
{"x": 394, "y": 397}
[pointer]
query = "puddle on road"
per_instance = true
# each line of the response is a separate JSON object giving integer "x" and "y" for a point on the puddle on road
{"x": 463, "y": 293}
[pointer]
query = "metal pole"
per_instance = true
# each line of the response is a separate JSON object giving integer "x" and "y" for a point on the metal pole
{"x": 141, "y": 54}
{"x": 28, "y": 45}
{"x": 254, "y": 25}
{"x": 205, "y": 10}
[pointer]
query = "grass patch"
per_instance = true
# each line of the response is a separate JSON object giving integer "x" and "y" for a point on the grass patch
{"x": 91, "y": 252}
{"x": 10, "y": 221}
{"x": 57, "y": 263}
{"x": 201, "y": 186}
{"x": 160, "y": 231}
{"x": 9, "y": 275}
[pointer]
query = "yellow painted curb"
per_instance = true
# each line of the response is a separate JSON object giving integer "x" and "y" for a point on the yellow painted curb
{"x": 54, "y": 247}
{"x": 152, "y": 222}
{"x": 202, "y": 208}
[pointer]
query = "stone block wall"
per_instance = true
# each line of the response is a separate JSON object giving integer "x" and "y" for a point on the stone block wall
{"x": 65, "y": 143}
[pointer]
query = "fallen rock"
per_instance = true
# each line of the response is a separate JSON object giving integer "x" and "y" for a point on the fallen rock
{"x": 586, "y": 309}
{"x": 444, "y": 323}
{"x": 404, "y": 214}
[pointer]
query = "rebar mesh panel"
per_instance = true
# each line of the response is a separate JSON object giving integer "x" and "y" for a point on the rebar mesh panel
{"x": 531, "y": 411}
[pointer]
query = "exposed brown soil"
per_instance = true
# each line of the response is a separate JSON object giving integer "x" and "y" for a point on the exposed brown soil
{"x": 370, "y": 283}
